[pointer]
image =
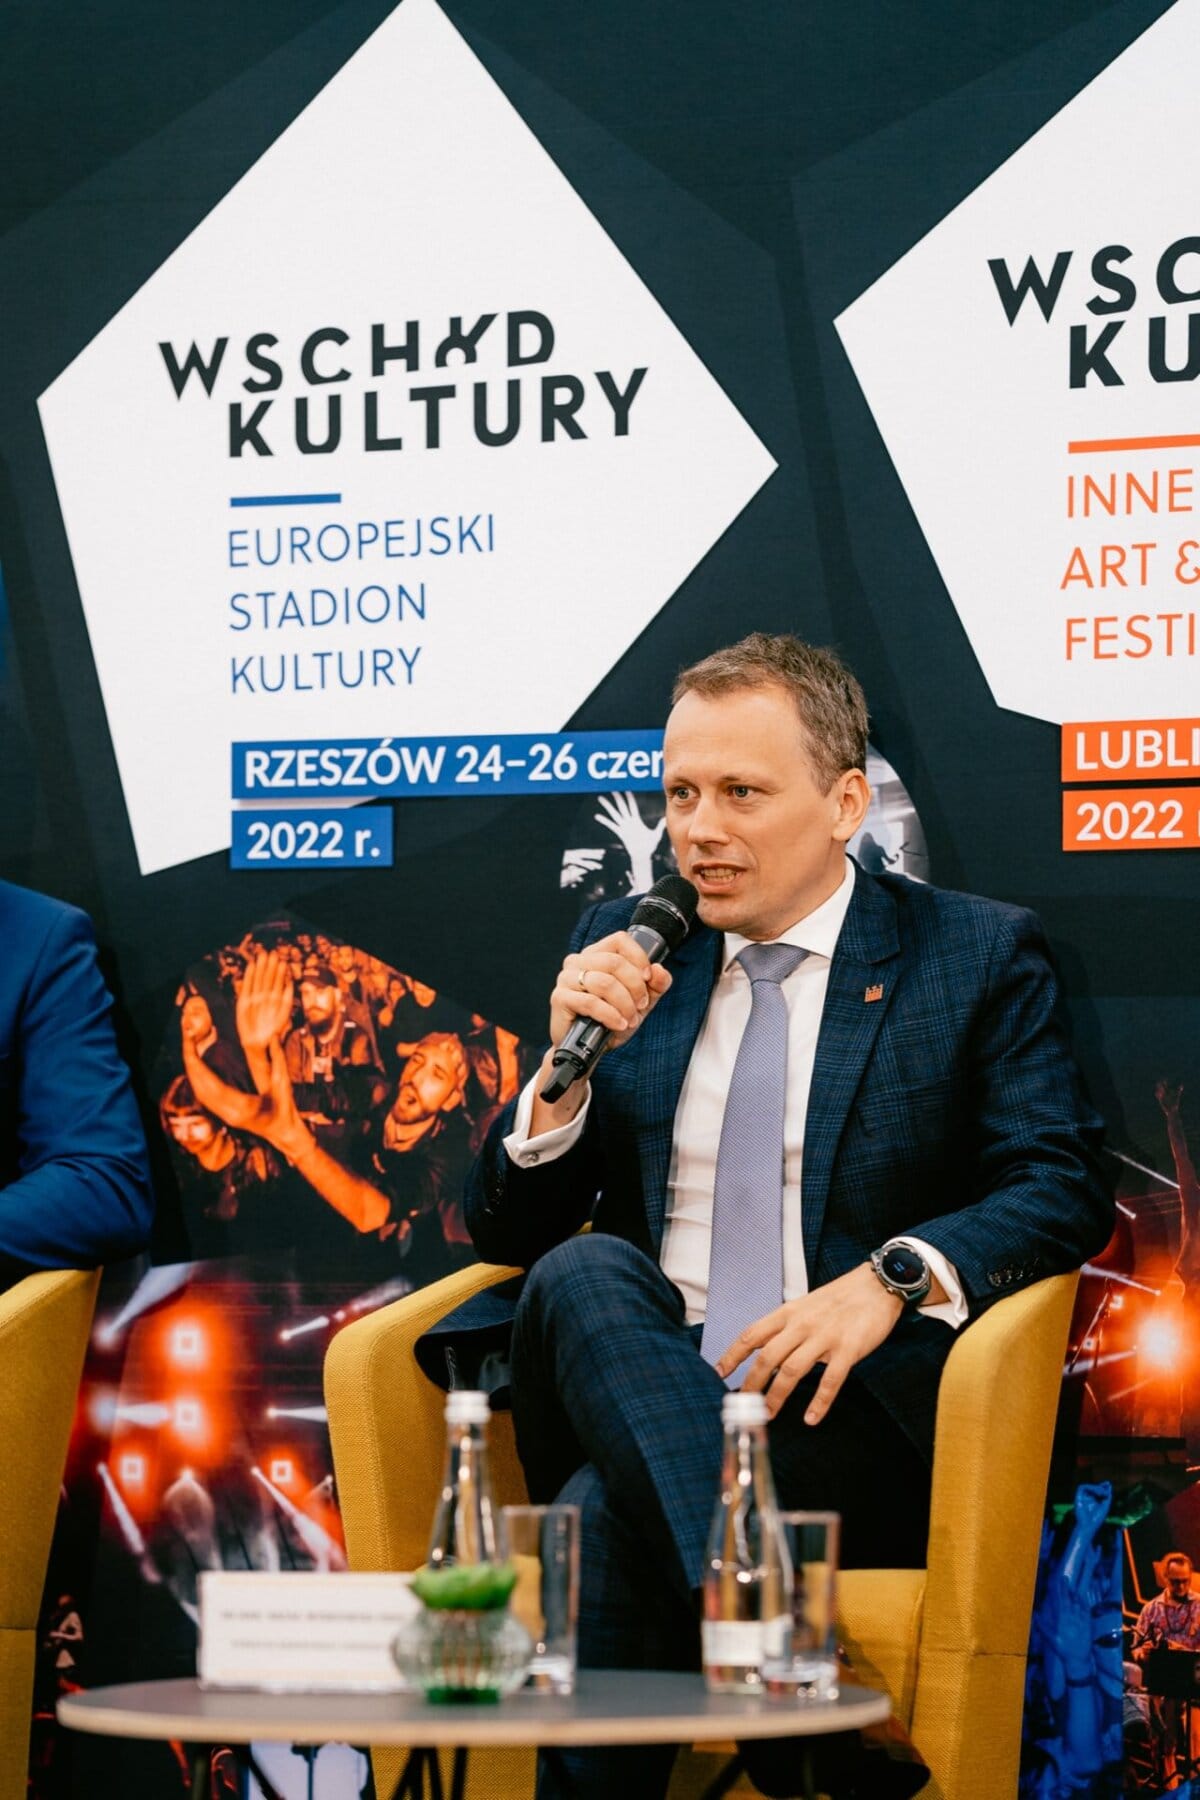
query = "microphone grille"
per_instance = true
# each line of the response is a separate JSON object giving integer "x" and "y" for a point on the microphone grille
{"x": 679, "y": 891}
{"x": 670, "y": 907}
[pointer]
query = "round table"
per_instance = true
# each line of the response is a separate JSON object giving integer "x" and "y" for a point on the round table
{"x": 609, "y": 1706}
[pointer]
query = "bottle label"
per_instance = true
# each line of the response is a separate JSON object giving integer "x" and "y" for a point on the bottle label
{"x": 736, "y": 1642}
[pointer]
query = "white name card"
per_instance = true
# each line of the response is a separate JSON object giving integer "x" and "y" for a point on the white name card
{"x": 283, "y": 1631}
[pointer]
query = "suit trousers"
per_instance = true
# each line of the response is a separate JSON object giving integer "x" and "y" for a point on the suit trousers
{"x": 616, "y": 1412}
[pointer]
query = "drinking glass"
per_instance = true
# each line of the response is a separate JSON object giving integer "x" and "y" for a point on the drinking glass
{"x": 800, "y": 1659}
{"x": 543, "y": 1542}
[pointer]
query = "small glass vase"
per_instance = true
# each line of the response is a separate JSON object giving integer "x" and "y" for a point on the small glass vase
{"x": 453, "y": 1655}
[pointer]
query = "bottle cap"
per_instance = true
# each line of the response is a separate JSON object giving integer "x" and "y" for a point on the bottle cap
{"x": 464, "y": 1406}
{"x": 744, "y": 1409}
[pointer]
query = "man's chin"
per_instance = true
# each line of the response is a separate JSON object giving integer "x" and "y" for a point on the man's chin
{"x": 722, "y": 912}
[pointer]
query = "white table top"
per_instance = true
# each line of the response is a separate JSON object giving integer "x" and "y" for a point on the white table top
{"x": 609, "y": 1706}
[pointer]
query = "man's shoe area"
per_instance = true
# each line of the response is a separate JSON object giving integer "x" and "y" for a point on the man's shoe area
{"x": 844, "y": 1767}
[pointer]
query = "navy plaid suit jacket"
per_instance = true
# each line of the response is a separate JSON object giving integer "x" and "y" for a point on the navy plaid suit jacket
{"x": 944, "y": 1103}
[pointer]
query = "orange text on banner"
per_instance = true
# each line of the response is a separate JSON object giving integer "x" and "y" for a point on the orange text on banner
{"x": 1132, "y": 750}
{"x": 1131, "y": 819}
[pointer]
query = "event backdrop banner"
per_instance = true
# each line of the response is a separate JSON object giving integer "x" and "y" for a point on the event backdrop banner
{"x": 392, "y": 398}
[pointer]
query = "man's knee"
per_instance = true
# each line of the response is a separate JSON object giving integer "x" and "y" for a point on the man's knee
{"x": 579, "y": 1273}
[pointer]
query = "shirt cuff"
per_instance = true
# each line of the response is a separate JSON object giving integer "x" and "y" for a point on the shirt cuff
{"x": 953, "y": 1310}
{"x": 527, "y": 1152}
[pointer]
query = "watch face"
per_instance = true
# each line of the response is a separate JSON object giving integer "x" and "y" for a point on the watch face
{"x": 903, "y": 1266}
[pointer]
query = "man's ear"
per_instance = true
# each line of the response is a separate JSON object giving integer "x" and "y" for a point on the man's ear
{"x": 852, "y": 794}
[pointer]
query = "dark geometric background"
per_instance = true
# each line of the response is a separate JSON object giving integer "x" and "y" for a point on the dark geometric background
{"x": 759, "y": 165}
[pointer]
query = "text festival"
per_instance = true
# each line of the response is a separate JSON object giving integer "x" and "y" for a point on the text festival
{"x": 548, "y": 405}
{"x": 1096, "y": 352}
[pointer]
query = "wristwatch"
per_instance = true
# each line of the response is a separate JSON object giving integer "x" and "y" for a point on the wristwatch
{"x": 903, "y": 1271}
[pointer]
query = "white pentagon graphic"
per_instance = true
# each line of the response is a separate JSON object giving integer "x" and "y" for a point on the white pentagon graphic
{"x": 409, "y": 189}
{"x": 978, "y": 416}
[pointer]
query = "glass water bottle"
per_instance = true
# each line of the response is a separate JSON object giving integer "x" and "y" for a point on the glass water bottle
{"x": 747, "y": 1578}
{"x": 465, "y": 1523}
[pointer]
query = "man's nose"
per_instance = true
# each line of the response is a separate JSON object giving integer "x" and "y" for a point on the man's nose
{"x": 706, "y": 825}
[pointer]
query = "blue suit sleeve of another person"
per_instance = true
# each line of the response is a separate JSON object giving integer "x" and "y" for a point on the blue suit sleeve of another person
{"x": 75, "y": 1184}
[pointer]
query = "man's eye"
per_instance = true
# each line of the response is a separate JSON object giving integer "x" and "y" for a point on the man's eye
{"x": 740, "y": 791}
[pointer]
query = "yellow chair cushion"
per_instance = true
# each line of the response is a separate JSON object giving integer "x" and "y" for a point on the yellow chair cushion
{"x": 881, "y": 1630}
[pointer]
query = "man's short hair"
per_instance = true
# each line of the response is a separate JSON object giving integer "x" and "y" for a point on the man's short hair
{"x": 1177, "y": 1556}
{"x": 829, "y": 699}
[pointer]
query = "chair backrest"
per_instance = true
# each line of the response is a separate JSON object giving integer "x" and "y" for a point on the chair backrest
{"x": 995, "y": 1427}
{"x": 44, "y": 1325}
{"x": 387, "y": 1430}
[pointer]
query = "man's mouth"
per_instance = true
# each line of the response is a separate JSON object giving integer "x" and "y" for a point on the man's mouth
{"x": 715, "y": 875}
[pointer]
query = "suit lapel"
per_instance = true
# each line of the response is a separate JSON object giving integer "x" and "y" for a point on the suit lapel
{"x": 850, "y": 1024}
{"x": 665, "y": 1044}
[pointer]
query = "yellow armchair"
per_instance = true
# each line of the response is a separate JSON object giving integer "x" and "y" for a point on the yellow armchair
{"x": 947, "y": 1642}
{"x": 44, "y": 1325}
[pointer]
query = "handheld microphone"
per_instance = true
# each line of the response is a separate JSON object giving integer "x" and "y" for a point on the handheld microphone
{"x": 660, "y": 923}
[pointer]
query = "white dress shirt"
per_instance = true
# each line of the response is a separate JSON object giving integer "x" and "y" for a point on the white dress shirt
{"x": 687, "y": 1235}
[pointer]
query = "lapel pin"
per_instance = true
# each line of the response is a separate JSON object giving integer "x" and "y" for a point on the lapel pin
{"x": 874, "y": 993}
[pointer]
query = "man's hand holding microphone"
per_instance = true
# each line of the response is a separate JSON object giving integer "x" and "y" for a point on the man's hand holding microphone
{"x": 602, "y": 995}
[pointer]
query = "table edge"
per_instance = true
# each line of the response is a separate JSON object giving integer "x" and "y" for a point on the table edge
{"x": 496, "y": 1729}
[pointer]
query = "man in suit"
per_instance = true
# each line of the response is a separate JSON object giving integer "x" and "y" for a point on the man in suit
{"x": 931, "y": 1117}
{"x": 74, "y": 1180}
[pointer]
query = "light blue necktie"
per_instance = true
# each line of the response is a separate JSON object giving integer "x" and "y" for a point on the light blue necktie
{"x": 745, "y": 1268}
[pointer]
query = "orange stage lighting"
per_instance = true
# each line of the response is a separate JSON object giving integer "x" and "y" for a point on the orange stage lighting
{"x": 1160, "y": 1343}
{"x": 131, "y": 1471}
{"x": 191, "y": 1339}
{"x": 194, "y": 1425}
{"x": 188, "y": 1347}
{"x": 284, "y": 1470}
{"x": 188, "y": 1418}
{"x": 133, "y": 1466}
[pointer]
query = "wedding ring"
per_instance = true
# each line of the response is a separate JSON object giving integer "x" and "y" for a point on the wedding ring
{"x": 583, "y": 975}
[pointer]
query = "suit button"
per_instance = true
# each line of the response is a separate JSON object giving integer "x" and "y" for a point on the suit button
{"x": 995, "y": 1278}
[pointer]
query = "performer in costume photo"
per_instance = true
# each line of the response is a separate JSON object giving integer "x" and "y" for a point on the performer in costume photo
{"x": 1171, "y": 1621}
